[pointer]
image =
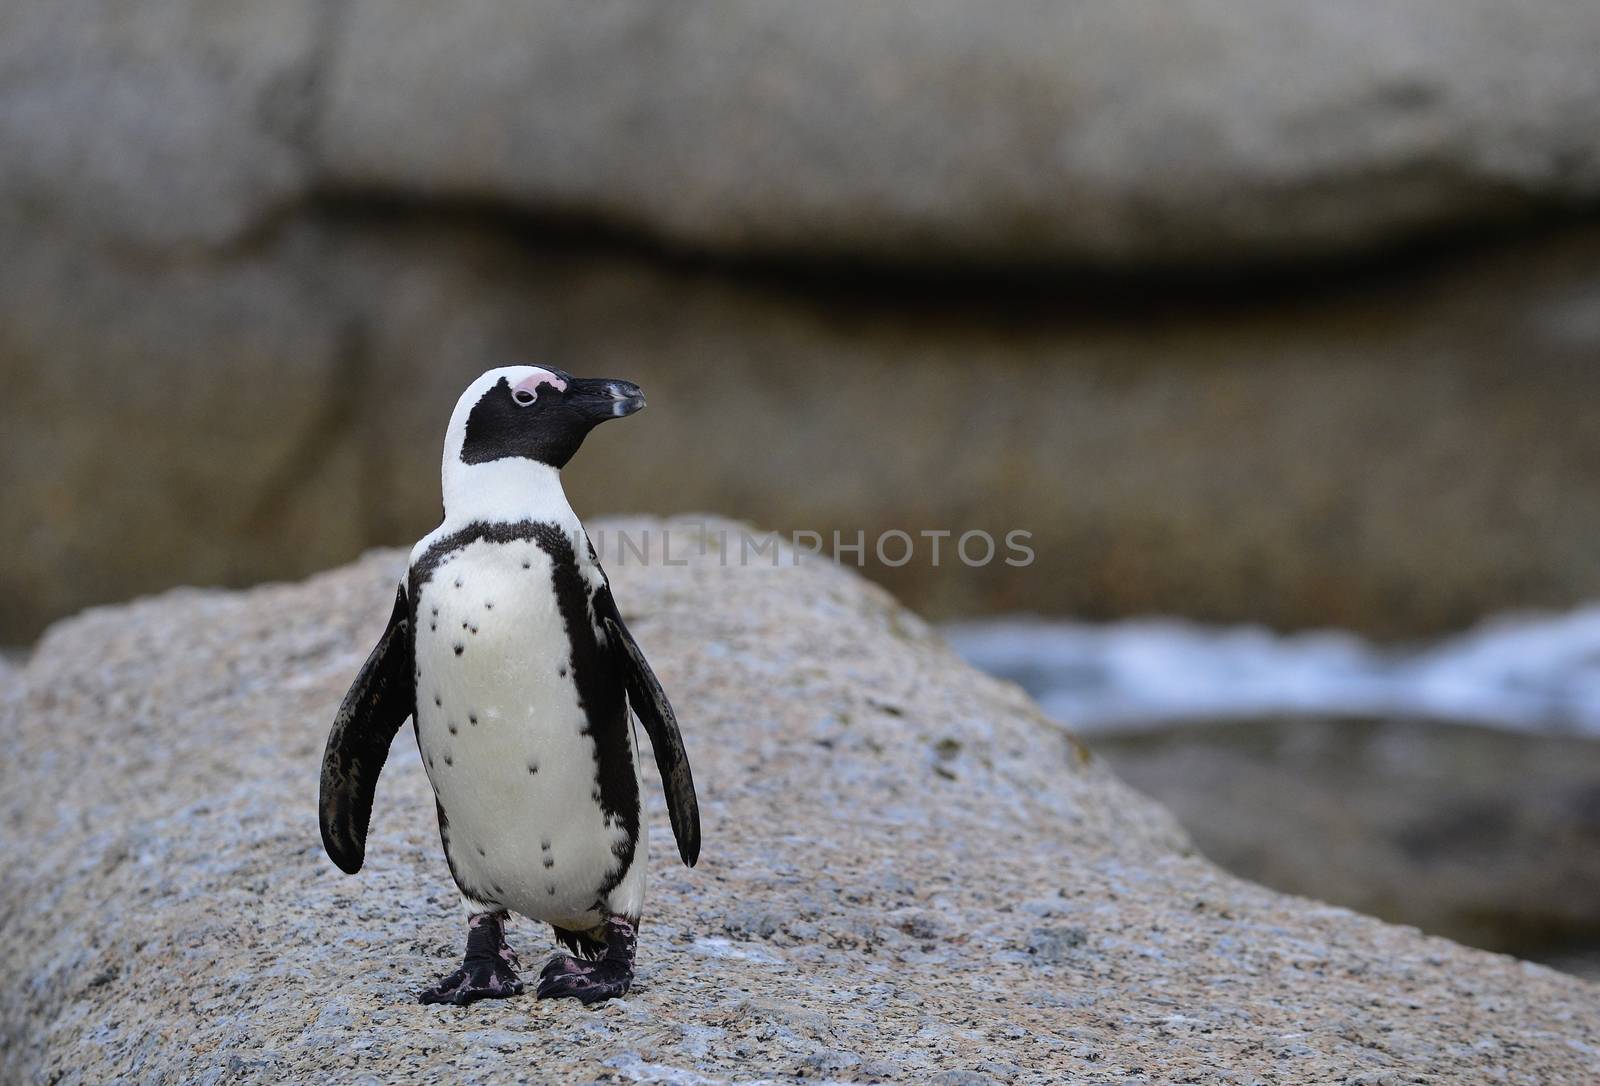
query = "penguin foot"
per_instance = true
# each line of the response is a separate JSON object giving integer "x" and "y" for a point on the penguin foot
{"x": 566, "y": 977}
{"x": 587, "y": 982}
{"x": 489, "y": 970}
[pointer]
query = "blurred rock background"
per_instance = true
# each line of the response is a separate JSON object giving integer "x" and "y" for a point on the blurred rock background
{"x": 1248, "y": 312}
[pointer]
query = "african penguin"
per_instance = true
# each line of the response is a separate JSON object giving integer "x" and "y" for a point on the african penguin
{"x": 509, "y": 654}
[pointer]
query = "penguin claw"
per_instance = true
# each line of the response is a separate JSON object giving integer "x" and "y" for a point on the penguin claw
{"x": 564, "y": 977}
{"x": 479, "y": 980}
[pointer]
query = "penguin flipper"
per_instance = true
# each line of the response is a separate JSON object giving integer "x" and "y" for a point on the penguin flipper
{"x": 379, "y": 701}
{"x": 654, "y": 711}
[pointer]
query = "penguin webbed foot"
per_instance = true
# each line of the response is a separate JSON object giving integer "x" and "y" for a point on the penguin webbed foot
{"x": 587, "y": 982}
{"x": 473, "y": 982}
{"x": 489, "y": 970}
{"x": 566, "y": 977}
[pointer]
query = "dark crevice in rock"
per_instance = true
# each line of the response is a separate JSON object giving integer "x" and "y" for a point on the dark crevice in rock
{"x": 945, "y": 282}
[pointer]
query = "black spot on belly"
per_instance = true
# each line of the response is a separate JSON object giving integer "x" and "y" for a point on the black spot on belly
{"x": 458, "y": 582}
{"x": 545, "y": 844}
{"x": 551, "y": 890}
{"x": 526, "y": 563}
{"x": 562, "y": 671}
{"x": 436, "y": 701}
{"x": 533, "y": 767}
{"x": 481, "y": 852}
{"x": 549, "y": 861}
{"x": 472, "y": 718}
{"x": 452, "y": 727}
{"x": 488, "y": 605}
{"x": 448, "y": 760}
{"x": 460, "y": 649}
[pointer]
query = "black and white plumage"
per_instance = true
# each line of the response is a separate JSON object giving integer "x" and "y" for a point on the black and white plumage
{"x": 507, "y": 650}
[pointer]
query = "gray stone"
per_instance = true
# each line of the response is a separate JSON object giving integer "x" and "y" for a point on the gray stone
{"x": 176, "y": 914}
{"x": 1011, "y": 133}
{"x": 1008, "y": 132}
{"x": 1054, "y": 945}
{"x": 158, "y": 125}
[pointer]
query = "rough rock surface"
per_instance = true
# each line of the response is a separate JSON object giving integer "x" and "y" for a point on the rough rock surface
{"x": 908, "y": 874}
{"x": 1487, "y": 836}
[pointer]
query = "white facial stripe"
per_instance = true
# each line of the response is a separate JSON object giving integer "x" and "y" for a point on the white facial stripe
{"x": 531, "y": 383}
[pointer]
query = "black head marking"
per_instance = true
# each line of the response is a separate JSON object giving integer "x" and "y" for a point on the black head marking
{"x": 544, "y": 422}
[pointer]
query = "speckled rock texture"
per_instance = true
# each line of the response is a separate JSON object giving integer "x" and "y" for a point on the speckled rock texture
{"x": 908, "y": 875}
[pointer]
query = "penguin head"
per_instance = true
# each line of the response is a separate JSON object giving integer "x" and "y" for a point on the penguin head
{"x": 535, "y": 413}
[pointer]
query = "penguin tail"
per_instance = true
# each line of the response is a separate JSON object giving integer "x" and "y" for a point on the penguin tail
{"x": 582, "y": 943}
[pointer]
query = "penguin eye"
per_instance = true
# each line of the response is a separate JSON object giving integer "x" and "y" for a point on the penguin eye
{"x": 523, "y": 397}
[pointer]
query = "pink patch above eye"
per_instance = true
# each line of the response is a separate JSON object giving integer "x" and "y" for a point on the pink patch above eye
{"x": 531, "y": 383}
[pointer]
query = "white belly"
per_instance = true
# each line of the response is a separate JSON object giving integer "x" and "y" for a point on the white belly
{"x": 503, "y": 737}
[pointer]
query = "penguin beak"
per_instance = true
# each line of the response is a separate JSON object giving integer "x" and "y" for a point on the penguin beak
{"x": 602, "y": 398}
